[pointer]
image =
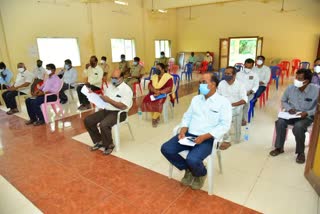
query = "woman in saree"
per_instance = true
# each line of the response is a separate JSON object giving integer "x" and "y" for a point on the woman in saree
{"x": 161, "y": 83}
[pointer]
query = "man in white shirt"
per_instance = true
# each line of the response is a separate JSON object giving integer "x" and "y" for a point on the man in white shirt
{"x": 104, "y": 65}
{"x": 264, "y": 73}
{"x": 236, "y": 93}
{"x": 117, "y": 96}
{"x": 93, "y": 80}
{"x": 208, "y": 117}
{"x": 70, "y": 76}
{"x": 39, "y": 73}
{"x": 22, "y": 84}
{"x": 251, "y": 82}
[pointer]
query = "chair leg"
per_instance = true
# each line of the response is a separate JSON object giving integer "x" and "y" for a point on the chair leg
{"x": 116, "y": 137}
{"x": 170, "y": 170}
{"x": 44, "y": 112}
{"x": 140, "y": 89}
{"x": 219, "y": 161}
{"x": 210, "y": 174}
{"x": 144, "y": 84}
{"x": 130, "y": 130}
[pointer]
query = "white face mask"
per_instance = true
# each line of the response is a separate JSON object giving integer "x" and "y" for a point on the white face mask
{"x": 135, "y": 63}
{"x": 48, "y": 71}
{"x": 1, "y": 70}
{"x": 102, "y": 62}
{"x": 21, "y": 70}
{"x": 298, "y": 83}
{"x": 247, "y": 70}
{"x": 317, "y": 69}
{"x": 208, "y": 54}
{"x": 66, "y": 67}
{"x": 259, "y": 62}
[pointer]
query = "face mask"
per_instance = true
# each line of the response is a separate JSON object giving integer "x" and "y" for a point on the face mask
{"x": 114, "y": 81}
{"x": 39, "y": 65}
{"x": 102, "y": 61}
{"x": 208, "y": 54}
{"x": 66, "y": 67}
{"x": 1, "y": 70}
{"x": 203, "y": 88}
{"x": 135, "y": 63}
{"x": 162, "y": 56}
{"x": 247, "y": 70}
{"x": 123, "y": 59}
{"x": 157, "y": 72}
{"x": 317, "y": 69}
{"x": 298, "y": 83}
{"x": 48, "y": 71}
{"x": 21, "y": 70}
{"x": 227, "y": 78}
{"x": 259, "y": 62}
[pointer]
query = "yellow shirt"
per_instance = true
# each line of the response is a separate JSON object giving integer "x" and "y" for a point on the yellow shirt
{"x": 94, "y": 75}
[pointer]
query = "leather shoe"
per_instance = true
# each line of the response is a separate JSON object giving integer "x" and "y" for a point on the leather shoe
{"x": 109, "y": 150}
{"x": 29, "y": 122}
{"x": 301, "y": 158}
{"x": 276, "y": 152}
{"x": 96, "y": 146}
{"x": 38, "y": 123}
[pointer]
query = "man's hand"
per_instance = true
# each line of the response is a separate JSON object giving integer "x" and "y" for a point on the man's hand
{"x": 182, "y": 133}
{"x": 156, "y": 93}
{"x": 200, "y": 139}
{"x": 87, "y": 65}
{"x": 106, "y": 99}
{"x": 249, "y": 92}
{"x": 303, "y": 114}
{"x": 261, "y": 83}
{"x": 12, "y": 88}
{"x": 292, "y": 111}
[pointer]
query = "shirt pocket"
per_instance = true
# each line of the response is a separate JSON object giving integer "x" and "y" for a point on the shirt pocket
{"x": 213, "y": 115}
{"x": 307, "y": 103}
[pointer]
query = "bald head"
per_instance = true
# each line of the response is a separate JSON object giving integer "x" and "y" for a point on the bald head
{"x": 21, "y": 65}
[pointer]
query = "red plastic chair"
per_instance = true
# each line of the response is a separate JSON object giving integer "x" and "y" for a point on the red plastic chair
{"x": 135, "y": 85}
{"x": 285, "y": 67}
{"x": 281, "y": 73}
{"x": 295, "y": 65}
{"x": 265, "y": 95}
{"x": 204, "y": 67}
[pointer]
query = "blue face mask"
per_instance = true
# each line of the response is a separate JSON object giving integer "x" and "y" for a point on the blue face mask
{"x": 227, "y": 78}
{"x": 203, "y": 88}
{"x": 114, "y": 81}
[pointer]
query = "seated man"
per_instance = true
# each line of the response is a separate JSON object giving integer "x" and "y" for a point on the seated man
{"x": 5, "y": 76}
{"x": 236, "y": 93}
{"x": 124, "y": 66}
{"x": 316, "y": 74}
{"x": 70, "y": 76}
{"x": 93, "y": 74}
{"x": 118, "y": 97}
{"x": 136, "y": 73}
{"x": 264, "y": 73}
{"x": 208, "y": 117}
{"x": 103, "y": 64}
{"x": 52, "y": 84}
{"x": 251, "y": 82}
{"x": 22, "y": 84}
{"x": 300, "y": 98}
{"x": 39, "y": 72}
{"x": 163, "y": 59}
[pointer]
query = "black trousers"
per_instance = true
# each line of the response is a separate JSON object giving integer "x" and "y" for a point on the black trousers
{"x": 82, "y": 98}
{"x": 9, "y": 98}
{"x": 107, "y": 119}
{"x": 300, "y": 127}
{"x": 62, "y": 95}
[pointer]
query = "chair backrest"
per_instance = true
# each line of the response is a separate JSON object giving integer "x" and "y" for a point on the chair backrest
{"x": 210, "y": 67}
{"x": 239, "y": 66}
{"x": 304, "y": 65}
{"x": 295, "y": 63}
{"x": 152, "y": 70}
{"x": 285, "y": 65}
{"x": 188, "y": 68}
{"x": 176, "y": 81}
{"x": 275, "y": 71}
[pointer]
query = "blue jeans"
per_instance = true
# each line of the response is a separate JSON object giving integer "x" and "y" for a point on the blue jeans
{"x": 258, "y": 93}
{"x": 33, "y": 107}
{"x": 195, "y": 157}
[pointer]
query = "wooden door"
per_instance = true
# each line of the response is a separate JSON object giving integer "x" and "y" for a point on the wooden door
{"x": 224, "y": 53}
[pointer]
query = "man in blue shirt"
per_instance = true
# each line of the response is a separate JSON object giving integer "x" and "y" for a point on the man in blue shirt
{"x": 5, "y": 76}
{"x": 208, "y": 117}
{"x": 298, "y": 99}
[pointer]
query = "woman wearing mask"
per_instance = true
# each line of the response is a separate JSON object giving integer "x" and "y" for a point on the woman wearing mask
{"x": 316, "y": 74}
{"x": 5, "y": 76}
{"x": 161, "y": 83}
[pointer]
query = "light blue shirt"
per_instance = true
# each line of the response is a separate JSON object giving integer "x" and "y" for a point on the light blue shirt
{"x": 211, "y": 116}
{"x": 7, "y": 79}
{"x": 70, "y": 76}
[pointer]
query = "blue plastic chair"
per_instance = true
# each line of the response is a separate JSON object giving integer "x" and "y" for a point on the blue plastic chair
{"x": 176, "y": 81}
{"x": 251, "y": 110}
{"x": 239, "y": 66}
{"x": 221, "y": 73}
{"x": 187, "y": 71}
{"x": 152, "y": 70}
{"x": 305, "y": 65}
{"x": 210, "y": 67}
{"x": 275, "y": 74}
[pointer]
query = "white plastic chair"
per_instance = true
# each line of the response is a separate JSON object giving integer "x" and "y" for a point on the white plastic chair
{"x": 116, "y": 129}
{"x": 210, "y": 166}
{"x": 165, "y": 110}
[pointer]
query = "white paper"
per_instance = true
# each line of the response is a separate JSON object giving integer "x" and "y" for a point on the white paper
{"x": 152, "y": 98}
{"x": 97, "y": 100}
{"x": 187, "y": 142}
{"x": 85, "y": 90}
{"x": 287, "y": 116}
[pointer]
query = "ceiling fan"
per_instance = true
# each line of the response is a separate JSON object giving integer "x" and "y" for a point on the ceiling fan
{"x": 190, "y": 18}
{"x": 282, "y": 10}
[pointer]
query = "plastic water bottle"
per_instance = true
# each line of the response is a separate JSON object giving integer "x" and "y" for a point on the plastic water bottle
{"x": 139, "y": 113}
{"x": 246, "y": 134}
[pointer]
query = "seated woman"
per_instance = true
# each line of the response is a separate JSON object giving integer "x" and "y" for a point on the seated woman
{"x": 161, "y": 83}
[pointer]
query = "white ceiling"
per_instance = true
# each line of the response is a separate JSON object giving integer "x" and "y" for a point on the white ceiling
{"x": 167, "y": 4}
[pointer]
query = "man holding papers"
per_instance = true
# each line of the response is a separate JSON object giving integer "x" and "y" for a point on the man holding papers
{"x": 299, "y": 100}
{"x": 117, "y": 97}
{"x": 208, "y": 117}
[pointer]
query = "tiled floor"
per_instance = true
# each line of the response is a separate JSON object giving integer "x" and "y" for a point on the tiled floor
{"x": 60, "y": 175}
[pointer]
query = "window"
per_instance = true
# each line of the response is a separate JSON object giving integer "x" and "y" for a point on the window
{"x": 122, "y": 46}
{"x": 56, "y": 50}
{"x": 163, "y": 45}
{"x": 242, "y": 49}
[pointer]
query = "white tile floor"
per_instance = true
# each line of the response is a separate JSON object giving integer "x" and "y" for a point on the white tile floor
{"x": 251, "y": 177}
{"x": 13, "y": 202}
